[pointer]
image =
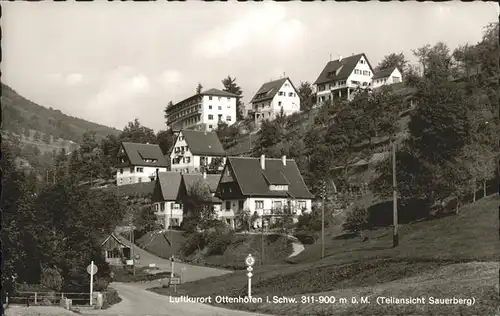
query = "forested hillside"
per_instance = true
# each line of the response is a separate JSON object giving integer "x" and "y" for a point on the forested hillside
{"x": 23, "y": 117}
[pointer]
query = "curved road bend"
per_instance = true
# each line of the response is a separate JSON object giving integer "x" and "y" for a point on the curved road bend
{"x": 189, "y": 272}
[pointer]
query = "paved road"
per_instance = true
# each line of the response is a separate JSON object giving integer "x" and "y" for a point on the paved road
{"x": 139, "y": 302}
{"x": 189, "y": 272}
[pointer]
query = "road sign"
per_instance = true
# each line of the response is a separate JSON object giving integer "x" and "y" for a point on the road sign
{"x": 249, "y": 269}
{"x": 92, "y": 269}
{"x": 249, "y": 274}
{"x": 249, "y": 261}
{"x": 175, "y": 281}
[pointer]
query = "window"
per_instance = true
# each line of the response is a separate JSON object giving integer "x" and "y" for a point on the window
{"x": 287, "y": 85}
{"x": 209, "y": 126}
{"x": 121, "y": 171}
{"x": 279, "y": 103}
{"x": 281, "y": 93}
{"x": 301, "y": 205}
{"x": 112, "y": 254}
{"x": 140, "y": 180}
{"x": 140, "y": 169}
{"x": 361, "y": 61}
{"x": 130, "y": 180}
{"x": 228, "y": 98}
{"x": 259, "y": 204}
{"x": 188, "y": 159}
{"x": 228, "y": 118}
{"x": 228, "y": 205}
{"x": 210, "y": 97}
{"x": 219, "y": 98}
{"x": 277, "y": 205}
{"x": 209, "y": 107}
{"x": 210, "y": 117}
{"x": 220, "y": 107}
{"x": 241, "y": 204}
{"x": 162, "y": 207}
{"x": 131, "y": 169}
{"x": 290, "y": 94}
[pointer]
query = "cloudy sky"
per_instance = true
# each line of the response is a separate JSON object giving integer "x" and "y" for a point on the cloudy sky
{"x": 111, "y": 62}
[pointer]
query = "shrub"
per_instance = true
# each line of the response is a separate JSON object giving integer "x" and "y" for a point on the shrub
{"x": 218, "y": 241}
{"x": 51, "y": 279}
{"x": 110, "y": 297}
{"x": 357, "y": 220}
{"x": 193, "y": 242}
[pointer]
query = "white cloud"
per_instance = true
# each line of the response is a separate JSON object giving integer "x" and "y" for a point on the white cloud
{"x": 121, "y": 90}
{"x": 74, "y": 78}
{"x": 265, "y": 21}
{"x": 169, "y": 78}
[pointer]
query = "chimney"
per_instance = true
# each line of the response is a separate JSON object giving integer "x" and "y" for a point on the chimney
{"x": 340, "y": 58}
{"x": 204, "y": 174}
{"x": 283, "y": 159}
{"x": 263, "y": 162}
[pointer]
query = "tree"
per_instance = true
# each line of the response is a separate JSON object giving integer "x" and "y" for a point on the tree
{"x": 136, "y": 133}
{"x": 46, "y": 138}
{"x": 145, "y": 220}
{"x": 230, "y": 85}
{"x": 198, "y": 205}
{"x": 357, "y": 220}
{"x": 394, "y": 60}
{"x": 228, "y": 135}
{"x": 307, "y": 96}
{"x": 166, "y": 140}
{"x": 37, "y": 136}
{"x": 199, "y": 88}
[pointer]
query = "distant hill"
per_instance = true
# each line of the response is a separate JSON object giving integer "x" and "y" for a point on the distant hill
{"x": 37, "y": 123}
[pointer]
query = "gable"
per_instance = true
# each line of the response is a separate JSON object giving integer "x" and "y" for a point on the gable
{"x": 227, "y": 174}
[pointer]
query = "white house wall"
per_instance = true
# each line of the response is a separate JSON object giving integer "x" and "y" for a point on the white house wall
{"x": 290, "y": 104}
{"x": 364, "y": 77}
{"x": 388, "y": 80}
{"x": 125, "y": 176}
{"x": 194, "y": 164}
{"x": 164, "y": 217}
{"x": 215, "y": 106}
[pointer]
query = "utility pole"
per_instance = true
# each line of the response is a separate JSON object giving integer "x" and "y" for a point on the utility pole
{"x": 262, "y": 241}
{"x": 323, "y": 192}
{"x": 132, "y": 245}
{"x": 395, "y": 239}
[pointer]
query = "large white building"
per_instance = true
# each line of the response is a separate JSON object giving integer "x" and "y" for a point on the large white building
{"x": 139, "y": 163}
{"x": 274, "y": 97}
{"x": 203, "y": 111}
{"x": 341, "y": 77}
{"x": 196, "y": 151}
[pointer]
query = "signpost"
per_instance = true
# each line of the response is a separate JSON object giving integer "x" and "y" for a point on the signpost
{"x": 172, "y": 266}
{"x": 175, "y": 282}
{"x": 91, "y": 269}
{"x": 249, "y": 261}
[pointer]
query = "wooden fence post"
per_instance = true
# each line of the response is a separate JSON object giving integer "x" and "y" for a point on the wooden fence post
{"x": 35, "y": 298}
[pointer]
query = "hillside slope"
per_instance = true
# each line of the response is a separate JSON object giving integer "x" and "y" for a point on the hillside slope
{"x": 21, "y": 116}
{"x": 426, "y": 248}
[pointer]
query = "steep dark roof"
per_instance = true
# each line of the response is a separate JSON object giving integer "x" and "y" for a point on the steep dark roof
{"x": 143, "y": 189}
{"x": 252, "y": 179}
{"x": 169, "y": 185}
{"x": 244, "y": 146}
{"x": 203, "y": 143}
{"x": 212, "y": 181}
{"x": 270, "y": 89}
{"x": 103, "y": 239}
{"x": 137, "y": 153}
{"x": 345, "y": 67}
{"x": 219, "y": 93}
{"x": 383, "y": 73}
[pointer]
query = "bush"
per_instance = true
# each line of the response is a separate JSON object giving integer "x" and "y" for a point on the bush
{"x": 357, "y": 220}
{"x": 51, "y": 279}
{"x": 218, "y": 241}
{"x": 193, "y": 242}
{"x": 110, "y": 297}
